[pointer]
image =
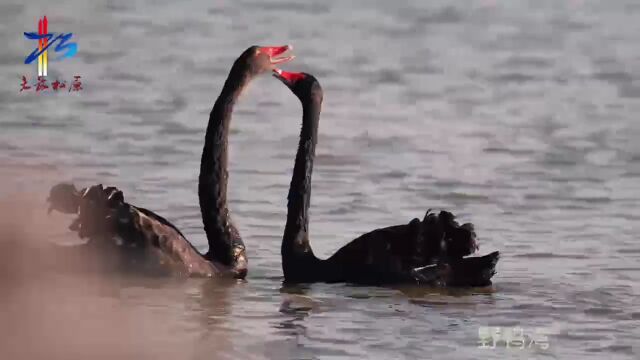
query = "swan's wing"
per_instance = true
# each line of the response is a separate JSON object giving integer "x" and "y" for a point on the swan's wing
{"x": 412, "y": 245}
{"x": 158, "y": 218}
{"x": 136, "y": 235}
{"x": 407, "y": 253}
{"x": 382, "y": 256}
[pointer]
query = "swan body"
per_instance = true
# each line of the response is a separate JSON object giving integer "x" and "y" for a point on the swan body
{"x": 133, "y": 233}
{"x": 429, "y": 252}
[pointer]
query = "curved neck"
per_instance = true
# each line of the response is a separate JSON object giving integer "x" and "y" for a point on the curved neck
{"x": 212, "y": 185}
{"x": 295, "y": 242}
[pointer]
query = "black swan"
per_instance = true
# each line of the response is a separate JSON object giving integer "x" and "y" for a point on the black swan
{"x": 430, "y": 252}
{"x": 111, "y": 224}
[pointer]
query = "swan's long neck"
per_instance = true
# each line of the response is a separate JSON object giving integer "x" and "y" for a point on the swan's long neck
{"x": 296, "y": 250}
{"x": 212, "y": 185}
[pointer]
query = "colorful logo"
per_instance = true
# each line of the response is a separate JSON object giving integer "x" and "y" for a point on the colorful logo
{"x": 45, "y": 40}
{"x": 64, "y": 49}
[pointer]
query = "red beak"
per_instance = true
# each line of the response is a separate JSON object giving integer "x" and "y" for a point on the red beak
{"x": 286, "y": 77}
{"x": 273, "y": 51}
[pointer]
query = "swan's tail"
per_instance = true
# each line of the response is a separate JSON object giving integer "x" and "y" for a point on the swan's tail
{"x": 445, "y": 246}
{"x": 473, "y": 271}
{"x": 469, "y": 271}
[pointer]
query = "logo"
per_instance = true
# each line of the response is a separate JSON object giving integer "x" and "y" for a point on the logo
{"x": 62, "y": 47}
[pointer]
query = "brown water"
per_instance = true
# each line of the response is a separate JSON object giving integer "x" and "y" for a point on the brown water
{"x": 520, "y": 116}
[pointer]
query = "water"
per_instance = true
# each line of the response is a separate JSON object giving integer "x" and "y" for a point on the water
{"x": 519, "y": 116}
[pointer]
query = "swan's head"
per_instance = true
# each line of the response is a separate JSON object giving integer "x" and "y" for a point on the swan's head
{"x": 305, "y": 86}
{"x": 259, "y": 59}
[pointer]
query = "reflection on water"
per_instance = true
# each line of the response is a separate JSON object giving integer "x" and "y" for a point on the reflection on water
{"x": 521, "y": 116}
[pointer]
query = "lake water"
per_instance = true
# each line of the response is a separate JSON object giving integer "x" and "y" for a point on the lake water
{"x": 519, "y": 116}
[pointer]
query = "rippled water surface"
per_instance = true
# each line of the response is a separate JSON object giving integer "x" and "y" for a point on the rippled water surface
{"x": 520, "y": 116}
